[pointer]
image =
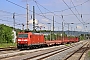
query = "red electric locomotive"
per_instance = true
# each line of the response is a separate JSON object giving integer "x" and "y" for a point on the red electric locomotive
{"x": 25, "y": 40}
{"x": 29, "y": 40}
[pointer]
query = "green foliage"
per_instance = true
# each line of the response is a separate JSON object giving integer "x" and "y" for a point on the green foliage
{"x": 54, "y": 36}
{"x": 4, "y": 45}
{"x": 89, "y": 53}
{"x": 82, "y": 37}
{"x": 67, "y": 44}
{"x": 18, "y": 30}
{"x": 6, "y": 34}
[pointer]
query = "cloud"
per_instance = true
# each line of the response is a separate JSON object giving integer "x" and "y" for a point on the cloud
{"x": 40, "y": 25}
{"x": 31, "y": 21}
{"x": 78, "y": 27}
{"x": 45, "y": 20}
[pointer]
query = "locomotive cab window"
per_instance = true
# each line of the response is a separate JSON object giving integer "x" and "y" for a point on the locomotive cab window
{"x": 22, "y": 35}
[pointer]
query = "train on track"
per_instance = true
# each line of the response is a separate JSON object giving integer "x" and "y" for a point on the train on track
{"x": 34, "y": 40}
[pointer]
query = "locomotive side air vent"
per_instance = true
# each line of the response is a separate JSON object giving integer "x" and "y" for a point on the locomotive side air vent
{"x": 26, "y": 31}
{"x": 38, "y": 33}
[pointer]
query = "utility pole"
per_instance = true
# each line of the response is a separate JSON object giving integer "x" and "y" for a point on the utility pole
{"x": 27, "y": 17}
{"x": 14, "y": 27}
{"x": 71, "y": 31}
{"x": 33, "y": 19}
{"x": 23, "y": 27}
{"x": 62, "y": 29}
{"x": 68, "y": 28}
{"x": 53, "y": 24}
{"x": 14, "y": 20}
{"x": 50, "y": 31}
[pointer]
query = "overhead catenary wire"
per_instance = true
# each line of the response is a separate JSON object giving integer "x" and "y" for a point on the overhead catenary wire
{"x": 75, "y": 14}
{"x": 6, "y": 20}
{"x": 16, "y": 14}
{"x": 11, "y": 18}
{"x": 39, "y": 9}
{"x": 70, "y": 7}
{"x": 46, "y": 9}
{"x": 24, "y": 8}
{"x": 6, "y": 12}
{"x": 72, "y": 11}
{"x": 79, "y": 14}
{"x": 48, "y": 18}
{"x": 42, "y": 13}
{"x": 77, "y": 11}
{"x": 10, "y": 21}
{"x": 53, "y": 11}
{"x": 68, "y": 14}
{"x": 7, "y": 15}
{"x": 62, "y": 10}
{"x": 29, "y": 10}
{"x": 10, "y": 12}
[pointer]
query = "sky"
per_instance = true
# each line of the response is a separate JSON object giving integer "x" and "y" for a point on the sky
{"x": 66, "y": 11}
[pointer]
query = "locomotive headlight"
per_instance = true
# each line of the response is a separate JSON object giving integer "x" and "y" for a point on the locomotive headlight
{"x": 25, "y": 40}
{"x": 19, "y": 39}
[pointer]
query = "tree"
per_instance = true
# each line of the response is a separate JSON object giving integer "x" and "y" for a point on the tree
{"x": 6, "y": 34}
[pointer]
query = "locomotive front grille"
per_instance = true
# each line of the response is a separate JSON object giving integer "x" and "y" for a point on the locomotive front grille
{"x": 22, "y": 45}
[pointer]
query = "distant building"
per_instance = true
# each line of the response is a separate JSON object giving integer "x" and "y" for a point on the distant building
{"x": 69, "y": 33}
{"x": 14, "y": 34}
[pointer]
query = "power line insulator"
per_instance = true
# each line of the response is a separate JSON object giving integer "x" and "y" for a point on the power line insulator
{"x": 81, "y": 15}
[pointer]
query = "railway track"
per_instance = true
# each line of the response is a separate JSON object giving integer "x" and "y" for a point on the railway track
{"x": 42, "y": 54}
{"x": 24, "y": 52}
{"x": 32, "y": 55}
{"x": 8, "y": 48}
{"x": 48, "y": 54}
{"x": 77, "y": 55}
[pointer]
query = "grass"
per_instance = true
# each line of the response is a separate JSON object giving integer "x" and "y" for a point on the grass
{"x": 67, "y": 44}
{"x": 4, "y": 45}
{"x": 89, "y": 53}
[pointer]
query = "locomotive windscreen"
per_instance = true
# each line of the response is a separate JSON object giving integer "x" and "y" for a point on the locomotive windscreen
{"x": 22, "y": 35}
